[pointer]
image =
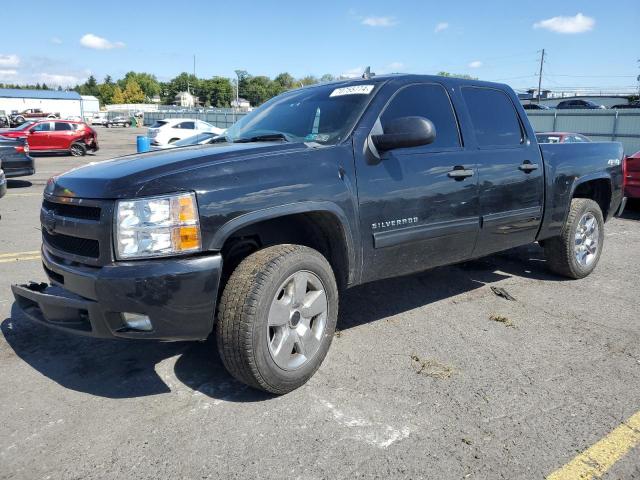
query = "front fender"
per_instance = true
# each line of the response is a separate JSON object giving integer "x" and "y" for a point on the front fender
{"x": 227, "y": 229}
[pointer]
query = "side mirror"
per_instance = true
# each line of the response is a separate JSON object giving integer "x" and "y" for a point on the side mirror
{"x": 405, "y": 132}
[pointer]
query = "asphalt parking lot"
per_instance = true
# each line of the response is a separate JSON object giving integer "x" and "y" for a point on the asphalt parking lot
{"x": 429, "y": 376}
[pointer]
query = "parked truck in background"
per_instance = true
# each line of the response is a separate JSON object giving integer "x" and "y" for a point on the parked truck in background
{"x": 19, "y": 118}
{"x": 318, "y": 190}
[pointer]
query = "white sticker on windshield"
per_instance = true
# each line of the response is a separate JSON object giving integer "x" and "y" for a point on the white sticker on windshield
{"x": 353, "y": 90}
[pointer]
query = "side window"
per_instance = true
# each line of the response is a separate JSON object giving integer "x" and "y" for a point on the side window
{"x": 63, "y": 126}
{"x": 42, "y": 127}
{"x": 186, "y": 125}
{"x": 428, "y": 101}
{"x": 495, "y": 121}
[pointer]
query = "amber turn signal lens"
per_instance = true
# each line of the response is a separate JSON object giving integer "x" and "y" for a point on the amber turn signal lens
{"x": 186, "y": 209}
{"x": 186, "y": 238}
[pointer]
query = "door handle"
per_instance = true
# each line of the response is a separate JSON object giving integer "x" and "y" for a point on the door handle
{"x": 528, "y": 167}
{"x": 460, "y": 173}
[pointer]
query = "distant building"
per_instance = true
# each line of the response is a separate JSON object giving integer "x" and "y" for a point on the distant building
{"x": 185, "y": 99}
{"x": 17, "y": 100}
{"x": 241, "y": 104}
{"x": 90, "y": 105}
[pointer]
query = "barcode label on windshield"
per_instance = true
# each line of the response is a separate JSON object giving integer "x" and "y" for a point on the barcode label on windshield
{"x": 353, "y": 90}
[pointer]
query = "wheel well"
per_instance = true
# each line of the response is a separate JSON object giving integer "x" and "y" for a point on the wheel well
{"x": 597, "y": 190}
{"x": 321, "y": 231}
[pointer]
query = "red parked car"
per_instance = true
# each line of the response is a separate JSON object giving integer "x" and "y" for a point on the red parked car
{"x": 56, "y": 136}
{"x": 561, "y": 137}
{"x": 632, "y": 176}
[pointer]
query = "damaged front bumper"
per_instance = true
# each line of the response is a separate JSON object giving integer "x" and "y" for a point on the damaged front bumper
{"x": 178, "y": 295}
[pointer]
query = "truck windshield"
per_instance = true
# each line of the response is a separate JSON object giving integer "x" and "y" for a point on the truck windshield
{"x": 323, "y": 114}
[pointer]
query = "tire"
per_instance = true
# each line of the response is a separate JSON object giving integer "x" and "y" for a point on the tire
{"x": 106, "y": 125}
{"x": 261, "y": 291}
{"x": 78, "y": 150}
{"x": 582, "y": 236}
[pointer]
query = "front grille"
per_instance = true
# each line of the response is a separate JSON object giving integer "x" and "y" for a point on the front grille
{"x": 72, "y": 211}
{"x": 83, "y": 247}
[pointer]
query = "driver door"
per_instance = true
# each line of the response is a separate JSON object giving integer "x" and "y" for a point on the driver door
{"x": 415, "y": 211}
{"x": 39, "y": 136}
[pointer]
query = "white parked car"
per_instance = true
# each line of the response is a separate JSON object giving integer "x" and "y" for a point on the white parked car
{"x": 202, "y": 138}
{"x": 99, "y": 118}
{"x": 171, "y": 130}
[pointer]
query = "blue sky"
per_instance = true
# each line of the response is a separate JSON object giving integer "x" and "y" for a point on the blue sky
{"x": 589, "y": 44}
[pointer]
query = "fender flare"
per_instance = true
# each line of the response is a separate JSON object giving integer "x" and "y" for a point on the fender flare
{"x": 588, "y": 178}
{"x": 227, "y": 229}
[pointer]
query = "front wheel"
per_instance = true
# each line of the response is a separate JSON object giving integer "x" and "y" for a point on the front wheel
{"x": 78, "y": 150}
{"x": 575, "y": 253}
{"x": 277, "y": 317}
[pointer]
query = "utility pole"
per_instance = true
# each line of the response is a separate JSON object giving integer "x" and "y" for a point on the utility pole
{"x": 540, "y": 75}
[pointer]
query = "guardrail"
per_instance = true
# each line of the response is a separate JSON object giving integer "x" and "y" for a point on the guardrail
{"x": 599, "y": 125}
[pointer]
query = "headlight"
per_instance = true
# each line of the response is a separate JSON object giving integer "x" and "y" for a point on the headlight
{"x": 157, "y": 226}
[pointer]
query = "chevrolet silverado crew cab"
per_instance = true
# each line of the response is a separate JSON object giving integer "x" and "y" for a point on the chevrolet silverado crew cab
{"x": 319, "y": 189}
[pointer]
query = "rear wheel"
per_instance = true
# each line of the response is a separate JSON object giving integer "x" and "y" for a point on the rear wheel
{"x": 576, "y": 252}
{"x": 78, "y": 150}
{"x": 277, "y": 316}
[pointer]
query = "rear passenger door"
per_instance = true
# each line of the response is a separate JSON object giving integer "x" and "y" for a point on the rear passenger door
{"x": 418, "y": 205}
{"x": 62, "y": 136}
{"x": 510, "y": 171}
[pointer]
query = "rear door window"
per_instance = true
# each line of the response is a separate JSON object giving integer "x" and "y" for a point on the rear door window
{"x": 186, "y": 125}
{"x": 61, "y": 126}
{"x": 430, "y": 101}
{"x": 494, "y": 118}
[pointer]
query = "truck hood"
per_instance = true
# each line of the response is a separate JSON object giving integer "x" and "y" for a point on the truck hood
{"x": 154, "y": 173}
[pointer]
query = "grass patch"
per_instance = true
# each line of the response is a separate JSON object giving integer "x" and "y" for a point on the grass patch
{"x": 431, "y": 368}
{"x": 502, "y": 319}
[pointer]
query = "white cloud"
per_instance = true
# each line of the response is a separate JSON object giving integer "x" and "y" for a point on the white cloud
{"x": 8, "y": 73}
{"x": 353, "y": 72}
{"x": 98, "y": 43}
{"x": 441, "y": 27}
{"x": 578, "y": 24}
{"x": 9, "y": 60}
{"x": 57, "y": 79}
{"x": 379, "y": 21}
{"x": 56, "y": 41}
{"x": 475, "y": 64}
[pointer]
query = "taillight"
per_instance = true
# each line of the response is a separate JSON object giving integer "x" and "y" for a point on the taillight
{"x": 19, "y": 149}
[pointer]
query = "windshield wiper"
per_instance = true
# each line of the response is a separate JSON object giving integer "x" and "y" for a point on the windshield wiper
{"x": 267, "y": 137}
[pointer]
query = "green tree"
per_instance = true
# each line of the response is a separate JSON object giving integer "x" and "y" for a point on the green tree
{"x": 90, "y": 87}
{"x": 327, "y": 77}
{"x": 132, "y": 92}
{"x": 117, "y": 97}
{"x": 256, "y": 89}
{"x": 457, "y": 75}
{"x": 105, "y": 93}
{"x": 147, "y": 82}
{"x": 182, "y": 83}
{"x": 216, "y": 91}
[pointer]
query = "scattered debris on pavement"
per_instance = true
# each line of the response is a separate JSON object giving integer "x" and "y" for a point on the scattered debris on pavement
{"x": 431, "y": 368}
{"x": 501, "y": 292}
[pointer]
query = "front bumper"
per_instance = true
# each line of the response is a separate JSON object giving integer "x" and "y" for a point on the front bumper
{"x": 20, "y": 172}
{"x": 177, "y": 294}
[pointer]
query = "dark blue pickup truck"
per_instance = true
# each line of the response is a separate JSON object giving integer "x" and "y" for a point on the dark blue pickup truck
{"x": 318, "y": 190}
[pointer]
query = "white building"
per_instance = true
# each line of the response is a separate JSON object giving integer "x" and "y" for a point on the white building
{"x": 241, "y": 104}
{"x": 185, "y": 99}
{"x": 90, "y": 105}
{"x": 51, "y": 101}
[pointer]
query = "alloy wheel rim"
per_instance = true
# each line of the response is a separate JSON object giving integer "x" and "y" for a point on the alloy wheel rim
{"x": 586, "y": 239}
{"x": 75, "y": 151}
{"x": 297, "y": 320}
